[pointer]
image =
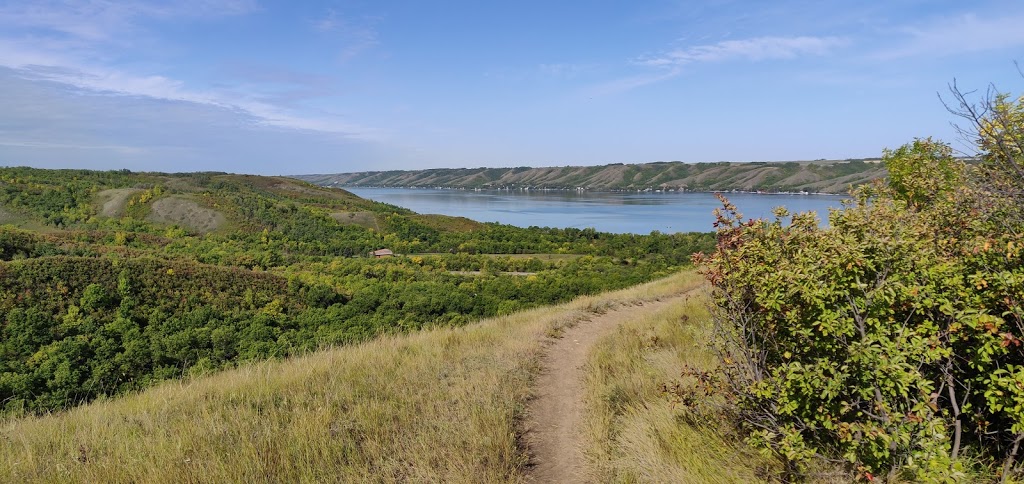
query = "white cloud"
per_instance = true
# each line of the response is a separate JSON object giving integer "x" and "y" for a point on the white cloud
{"x": 105, "y": 81}
{"x": 100, "y": 19}
{"x": 756, "y": 49}
{"x": 632, "y": 82}
{"x": 66, "y": 44}
{"x": 45, "y": 124}
{"x": 671, "y": 64}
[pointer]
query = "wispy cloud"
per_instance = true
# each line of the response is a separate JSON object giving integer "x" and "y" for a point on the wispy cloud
{"x": 632, "y": 82}
{"x": 671, "y": 64}
{"x": 101, "y": 19}
{"x": 47, "y": 124}
{"x": 756, "y": 49}
{"x": 66, "y": 43}
{"x": 962, "y": 34}
{"x": 162, "y": 88}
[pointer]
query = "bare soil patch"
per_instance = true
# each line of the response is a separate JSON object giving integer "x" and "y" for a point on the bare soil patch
{"x": 186, "y": 213}
{"x": 114, "y": 200}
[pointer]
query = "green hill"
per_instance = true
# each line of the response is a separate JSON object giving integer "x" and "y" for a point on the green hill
{"x": 113, "y": 281}
{"x": 810, "y": 176}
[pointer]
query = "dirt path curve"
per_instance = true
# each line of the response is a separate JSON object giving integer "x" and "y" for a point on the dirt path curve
{"x": 553, "y": 432}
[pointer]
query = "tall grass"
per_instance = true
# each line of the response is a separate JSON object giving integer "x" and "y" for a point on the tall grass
{"x": 442, "y": 405}
{"x": 636, "y": 433}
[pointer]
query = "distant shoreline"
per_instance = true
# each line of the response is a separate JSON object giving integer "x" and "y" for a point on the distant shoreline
{"x": 586, "y": 190}
{"x": 818, "y": 177}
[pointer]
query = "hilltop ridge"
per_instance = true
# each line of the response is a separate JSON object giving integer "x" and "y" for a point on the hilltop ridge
{"x": 821, "y": 176}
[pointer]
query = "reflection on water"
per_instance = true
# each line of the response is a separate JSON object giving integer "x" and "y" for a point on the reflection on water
{"x": 627, "y": 212}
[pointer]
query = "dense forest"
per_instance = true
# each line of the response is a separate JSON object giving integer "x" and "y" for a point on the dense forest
{"x": 806, "y": 176}
{"x": 111, "y": 281}
{"x": 890, "y": 344}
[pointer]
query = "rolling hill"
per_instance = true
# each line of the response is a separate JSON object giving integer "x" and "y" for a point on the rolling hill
{"x": 113, "y": 281}
{"x": 213, "y": 327}
{"x": 815, "y": 177}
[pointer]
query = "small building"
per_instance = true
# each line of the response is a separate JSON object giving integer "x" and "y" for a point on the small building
{"x": 382, "y": 253}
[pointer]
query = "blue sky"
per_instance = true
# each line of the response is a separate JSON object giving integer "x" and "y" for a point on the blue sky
{"x": 265, "y": 87}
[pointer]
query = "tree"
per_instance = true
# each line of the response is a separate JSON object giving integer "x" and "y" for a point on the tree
{"x": 995, "y": 129}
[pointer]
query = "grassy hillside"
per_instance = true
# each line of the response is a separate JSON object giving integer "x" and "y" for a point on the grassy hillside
{"x": 817, "y": 176}
{"x": 118, "y": 280}
{"x": 441, "y": 405}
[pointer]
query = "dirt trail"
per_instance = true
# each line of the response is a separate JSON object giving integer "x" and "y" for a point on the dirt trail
{"x": 553, "y": 432}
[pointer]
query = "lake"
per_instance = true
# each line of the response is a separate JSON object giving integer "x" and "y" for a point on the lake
{"x": 620, "y": 212}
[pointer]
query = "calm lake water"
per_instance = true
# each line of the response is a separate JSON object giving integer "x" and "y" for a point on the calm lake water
{"x": 638, "y": 213}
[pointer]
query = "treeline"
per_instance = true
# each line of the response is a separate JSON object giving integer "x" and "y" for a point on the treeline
{"x": 106, "y": 301}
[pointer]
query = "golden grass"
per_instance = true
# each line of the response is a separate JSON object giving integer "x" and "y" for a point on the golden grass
{"x": 442, "y": 405}
{"x": 635, "y": 432}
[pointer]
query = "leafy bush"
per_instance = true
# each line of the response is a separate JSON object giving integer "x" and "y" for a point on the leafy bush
{"x": 891, "y": 341}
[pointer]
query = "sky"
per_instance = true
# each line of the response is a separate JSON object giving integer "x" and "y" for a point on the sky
{"x": 284, "y": 87}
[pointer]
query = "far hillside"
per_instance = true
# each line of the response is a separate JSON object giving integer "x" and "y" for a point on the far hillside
{"x": 805, "y": 176}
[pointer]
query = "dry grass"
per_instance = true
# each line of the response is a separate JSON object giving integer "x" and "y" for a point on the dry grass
{"x": 112, "y": 202}
{"x": 186, "y": 213}
{"x": 362, "y": 219}
{"x": 442, "y": 405}
{"x": 636, "y": 433}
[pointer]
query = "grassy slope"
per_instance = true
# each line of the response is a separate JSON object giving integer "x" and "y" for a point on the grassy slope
{"x": 438, "y": 405}
{"x": 635, "y": 434}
